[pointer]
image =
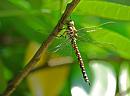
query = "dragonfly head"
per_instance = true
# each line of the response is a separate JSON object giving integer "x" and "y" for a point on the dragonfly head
{"x": 70, "y": 23}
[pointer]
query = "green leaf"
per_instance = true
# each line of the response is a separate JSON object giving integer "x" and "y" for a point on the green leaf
{"x": 120, "y": 43}
{"x": 24, "y": 4}
{"x": 28, "y": 32}
{"x": 16, "y": 12}
{"x": 2, "y": 78}
{"x": 104, "y": 9}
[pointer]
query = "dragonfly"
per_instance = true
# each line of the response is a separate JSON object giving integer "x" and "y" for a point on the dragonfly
{"x": 72, "y": 34}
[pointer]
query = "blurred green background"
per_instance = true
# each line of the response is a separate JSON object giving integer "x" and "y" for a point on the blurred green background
{"x": 25, "y": 24}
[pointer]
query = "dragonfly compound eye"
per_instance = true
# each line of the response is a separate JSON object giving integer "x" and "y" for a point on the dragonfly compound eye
{"x": 71, "y": 23}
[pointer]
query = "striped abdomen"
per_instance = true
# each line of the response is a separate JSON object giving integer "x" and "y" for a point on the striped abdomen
{"x": 77, "y": 52}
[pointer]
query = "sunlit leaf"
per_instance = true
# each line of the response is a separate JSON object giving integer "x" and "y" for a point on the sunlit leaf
{"x": 21, "y": 4}
{"x": 121, "y": 44}
{"x": 104, "y": 9}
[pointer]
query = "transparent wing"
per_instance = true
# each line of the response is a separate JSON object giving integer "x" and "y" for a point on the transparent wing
{"x": 94, "y": 28}
{"x": 83, "y": 36}
{"x": 104, "y": 45}
{"x": 61, "y": 46}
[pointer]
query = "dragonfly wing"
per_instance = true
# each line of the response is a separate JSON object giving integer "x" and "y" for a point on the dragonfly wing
{"x": 59, "y": 47}
{"x": 101, "y": 44}
{"x": 86, "y": 30}
{"x": 104, "y": 45}
{"x": 95, "y": 27}
{"x": 83, "y": 35}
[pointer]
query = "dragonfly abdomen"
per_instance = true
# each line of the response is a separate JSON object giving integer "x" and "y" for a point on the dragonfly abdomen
{"x": 77, "y": 52}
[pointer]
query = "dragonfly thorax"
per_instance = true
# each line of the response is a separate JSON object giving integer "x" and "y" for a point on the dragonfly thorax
{"x": 71, "y": 30}
{"x": 70, "y": 23}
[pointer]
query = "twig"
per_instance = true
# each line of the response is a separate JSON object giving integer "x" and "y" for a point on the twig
{"x": 17, "y": 80}
{"x": 47, "y": 66}
{"x": 109, "y": 59}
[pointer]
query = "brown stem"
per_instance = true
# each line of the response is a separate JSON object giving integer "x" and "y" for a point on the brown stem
{"x": 26, "y": 70}
{"x": 115, "y": 59}
{"x": 47, "y": 66}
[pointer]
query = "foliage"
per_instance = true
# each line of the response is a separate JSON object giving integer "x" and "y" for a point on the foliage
{"x": 26, "y": 22}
